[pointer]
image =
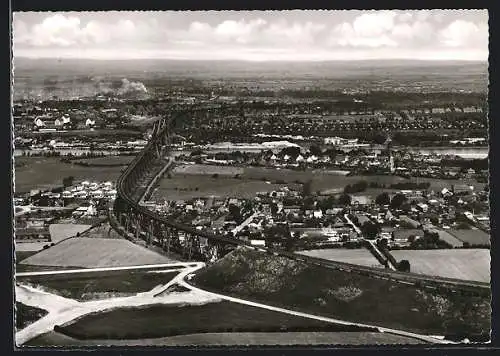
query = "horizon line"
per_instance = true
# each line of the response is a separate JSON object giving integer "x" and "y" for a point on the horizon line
{"x": 257, "y": 60}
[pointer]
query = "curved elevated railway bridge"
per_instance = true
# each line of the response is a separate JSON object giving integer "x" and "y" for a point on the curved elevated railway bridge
{"x": 136, "y": 221}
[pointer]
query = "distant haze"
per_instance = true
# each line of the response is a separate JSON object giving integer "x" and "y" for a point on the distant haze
{"x": 82, "y": 77}
{"x": 227, "y": 68}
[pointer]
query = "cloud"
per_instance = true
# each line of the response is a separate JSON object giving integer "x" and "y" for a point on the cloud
{"x": 464, "y": 33}
{"x": 415, "y": 33}
{"x": 406, "y": 16}
{"x": 56, "y": 30}
{"x": 65, "y": 31}
{"x": 294, "y": 34}
{"x": 374, "y": 24}
{"x": 221, "y": 35}
{"x": 367, "y": 30}
{"x": 239, "y": 31}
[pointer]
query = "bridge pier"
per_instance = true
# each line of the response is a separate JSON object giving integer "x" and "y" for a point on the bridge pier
{"x": 150, "y": 234}
{"x": 127, "y": 222}
{"x": 168, "y": 235}
{"x": 137, "y": 226}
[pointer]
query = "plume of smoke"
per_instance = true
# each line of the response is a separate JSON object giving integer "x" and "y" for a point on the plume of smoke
{"x": 123, "y": 88}
{"x": 129, "y": 87}
{"x": 79, "y": 87}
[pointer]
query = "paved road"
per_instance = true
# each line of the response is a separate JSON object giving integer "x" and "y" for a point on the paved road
{"x": 349, "y": 221}
{"x": 358, "y": 230}
{"x": 244, "y": 223}
{"x": 105, "y": 269}
{"x": 389, "y": 263}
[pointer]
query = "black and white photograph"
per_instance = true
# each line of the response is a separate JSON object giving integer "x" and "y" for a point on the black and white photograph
{"x": 251, "y": 178}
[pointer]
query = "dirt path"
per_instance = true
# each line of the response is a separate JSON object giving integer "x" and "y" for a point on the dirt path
{"x": 427, "y": 338}
{"x": 62, "y": 310}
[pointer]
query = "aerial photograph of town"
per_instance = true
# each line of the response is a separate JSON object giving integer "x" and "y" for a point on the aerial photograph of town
{"x": 239, "y": 178}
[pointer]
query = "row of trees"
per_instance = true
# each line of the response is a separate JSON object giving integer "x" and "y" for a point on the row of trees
{"x": 357, "y": 187}
{"x": 396, "y": 202}
{"x": 430, "y": 240}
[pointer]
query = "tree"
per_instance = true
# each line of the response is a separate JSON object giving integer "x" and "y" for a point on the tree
{"x": 345, "y": 199}
{"x": 277, "y": 233}
{"x": 404, "y": 266}
{"x": 235, "y": 213}
{"x": 68, "y": 181}
{"x": 327, "y": 203}
{"x": 291, "y": 242}
{"x": 307, "y": 188}
{"x": 356, "y": 187}
{"x": 196, "y": 153}
{"x": 293, "y": 152}
{"x": 383, "y": 243}
{"x": 398, "y": 200}
{"x": 383, "y": 199}
{"x": 315, "y": 150}
{"x": 332, "y": 153}
{"x": 379, "y": 138}
{"x": 370, "y": 230}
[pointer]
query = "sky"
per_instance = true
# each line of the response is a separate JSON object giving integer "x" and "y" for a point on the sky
{"x": 254, "y": 35}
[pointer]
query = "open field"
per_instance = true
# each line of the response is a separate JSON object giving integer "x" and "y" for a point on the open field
{"x": 181, "y": 187}
{"x": 347, "y": 296}
{"x": 324, "y": 180}
{"x": 111, "y": 160}
{"x": 207, "y": 169}
{"x": 187, "y": 178}
{"x": 30, "y": 246}
{"x": 48, "y": 172}
{"x": 60, "y": 232}
{"x": 468, "y": 264}
{"x": 439, "y": 184}
{"x": 98, "y": 285}
{"x": 26, "y": 315}
{"x": 359, "y": 256}
{"x": 104, "y": 231}
{"x": 94, "y": 253}
{"x": 21, "y": 267}
{"x": 473, "y": 237}
{"x": 21, "y": 255}
{"x": 449, "y": 238}
{"x": 239, "y": 338}
{"x": 167, "y": 320}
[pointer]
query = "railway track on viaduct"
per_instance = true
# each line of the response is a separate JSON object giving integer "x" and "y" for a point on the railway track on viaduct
{"x": 135, "y": 221}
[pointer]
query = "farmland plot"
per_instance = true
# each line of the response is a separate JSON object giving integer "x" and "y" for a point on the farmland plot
{"x": 468, "y": 264}
{"x": 96, "y": 252}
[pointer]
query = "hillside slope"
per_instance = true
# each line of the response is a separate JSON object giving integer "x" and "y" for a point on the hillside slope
{"x": 294, "y": 285}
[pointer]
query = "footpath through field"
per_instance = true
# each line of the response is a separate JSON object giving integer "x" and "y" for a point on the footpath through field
{"x": 427, "y": 338}
{"x": 62, "y": 310}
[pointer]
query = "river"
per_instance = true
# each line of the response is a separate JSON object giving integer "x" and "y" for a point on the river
{"x": 73, "y": 151}
{"x": 464, "y": 152}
